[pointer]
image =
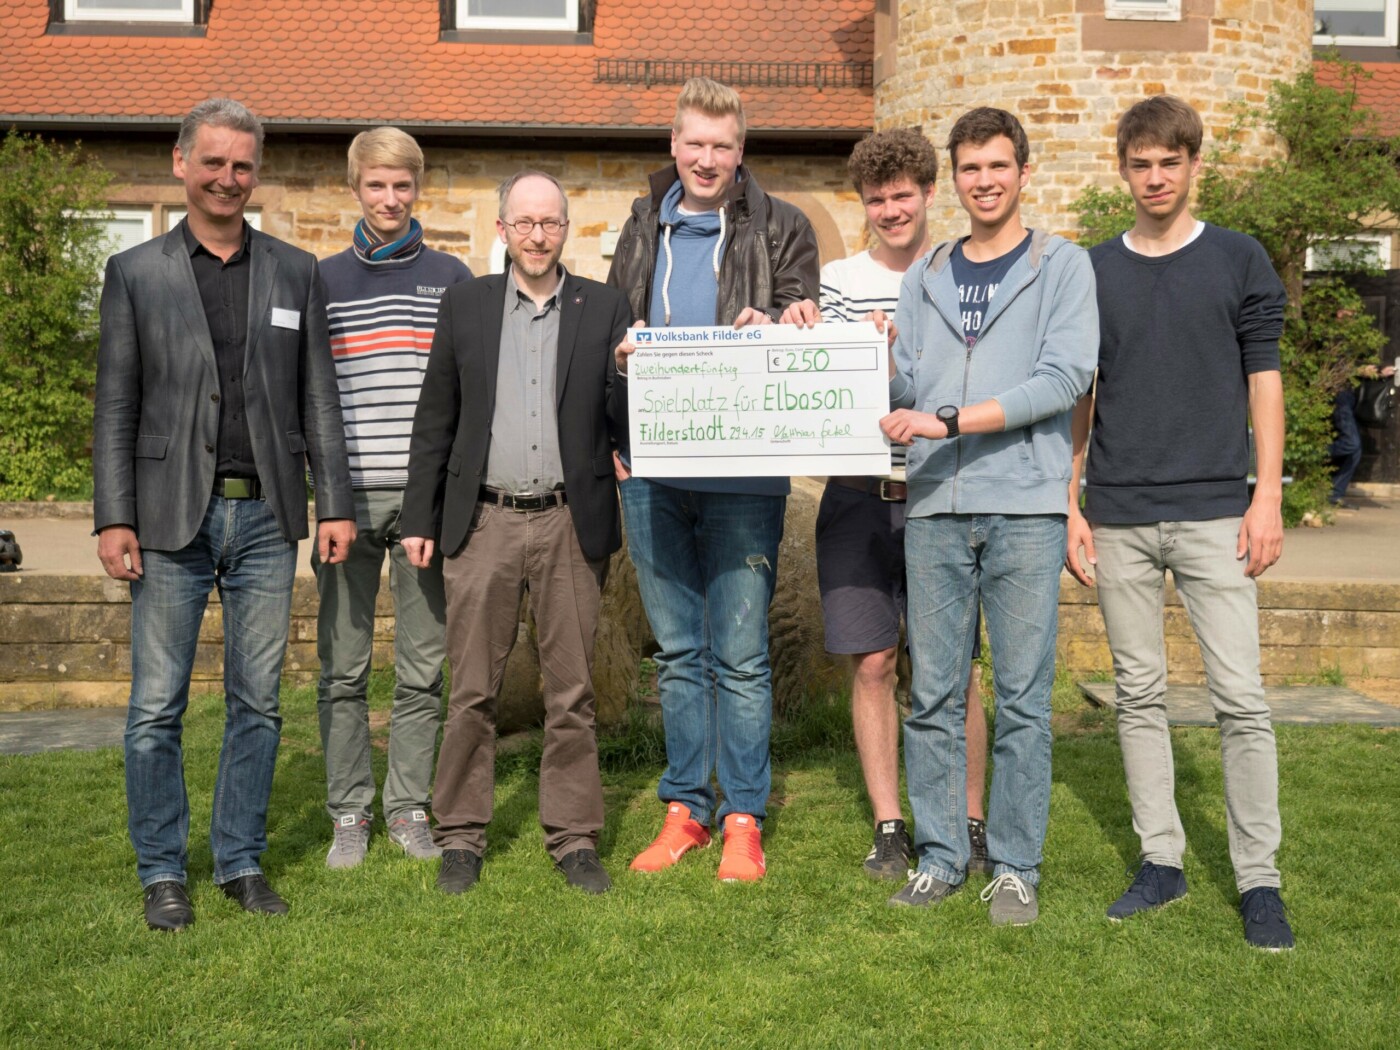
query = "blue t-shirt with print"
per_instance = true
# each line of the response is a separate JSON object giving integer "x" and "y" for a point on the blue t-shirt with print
{"x": 977, "y": 283}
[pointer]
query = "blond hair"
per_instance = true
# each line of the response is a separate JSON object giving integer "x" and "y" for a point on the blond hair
{"x": 710, "y": 97}
{"x": 383, "y": 147}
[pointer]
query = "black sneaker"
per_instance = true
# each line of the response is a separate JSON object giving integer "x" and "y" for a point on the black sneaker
{"x": 1266, "y": 920}
{"x": 460, "y": 870}
{"x": 584, "y": 871}
{"x": 977, "y": 863}
{"x": 1155, "y": 886}
{"x": 892, "y": 855}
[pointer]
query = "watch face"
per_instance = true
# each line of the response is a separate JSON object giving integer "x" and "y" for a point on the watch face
{"x": 947, "y": 412}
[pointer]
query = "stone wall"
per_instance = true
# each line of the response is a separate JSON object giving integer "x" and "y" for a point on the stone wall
{"x": 64, "y": 640}
{"x": 1068, "y": 72}
{"x": 303, "y": 197}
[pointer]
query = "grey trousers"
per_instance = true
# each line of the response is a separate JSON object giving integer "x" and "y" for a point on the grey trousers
{"x": 506, "y": 552}
{"x": 1223, "y": 606}
{"x": 344, "y": 642}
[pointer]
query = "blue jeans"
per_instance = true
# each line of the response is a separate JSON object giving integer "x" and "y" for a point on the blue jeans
{"x": 239, "y": 549}
{"x": 1012, "y": 564}
{"x": 706, "y": 567}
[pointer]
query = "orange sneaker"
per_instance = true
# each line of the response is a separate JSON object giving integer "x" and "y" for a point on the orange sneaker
{"x": 742, "y": 860}
{"x": 680, "y": 833}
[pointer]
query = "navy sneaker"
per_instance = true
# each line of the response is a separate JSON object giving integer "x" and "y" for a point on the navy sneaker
{"x": 1155, "y": 885}
{"x": 1266, "y": 920}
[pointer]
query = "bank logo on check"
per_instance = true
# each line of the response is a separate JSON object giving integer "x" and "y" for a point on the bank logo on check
{"x": 642, "y": 335}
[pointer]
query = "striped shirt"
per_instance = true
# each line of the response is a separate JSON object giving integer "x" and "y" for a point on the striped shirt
{"x": 850, "y": 289}
{"x": 382, "y": 316}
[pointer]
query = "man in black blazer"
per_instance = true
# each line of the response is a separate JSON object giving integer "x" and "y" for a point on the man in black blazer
{"x": 510, "y": 472}
{"x": 214, "y": 383}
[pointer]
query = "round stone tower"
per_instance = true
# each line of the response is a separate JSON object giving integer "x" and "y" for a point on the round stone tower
{"x": 1068, "y": 68}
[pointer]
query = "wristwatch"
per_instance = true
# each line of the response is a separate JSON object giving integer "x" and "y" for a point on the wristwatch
{"x": 949, "y": 415}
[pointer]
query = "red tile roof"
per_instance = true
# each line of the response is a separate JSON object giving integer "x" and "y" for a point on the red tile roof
{"x": 1380, "y": 92}
{"x": 298, "y": 62}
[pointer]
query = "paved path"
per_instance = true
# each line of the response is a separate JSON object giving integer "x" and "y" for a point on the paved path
{"x": 86, "y": 729}
{"x": 1361, "y": 546}
{"x": 1189, "y": 705}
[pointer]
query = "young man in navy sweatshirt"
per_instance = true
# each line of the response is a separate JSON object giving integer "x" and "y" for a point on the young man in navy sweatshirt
{"x": 1190, "y": 317}
{"x": 382, "y": 301}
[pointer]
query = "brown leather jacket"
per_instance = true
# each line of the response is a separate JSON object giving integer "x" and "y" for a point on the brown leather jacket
{"x": 770, "y": 255}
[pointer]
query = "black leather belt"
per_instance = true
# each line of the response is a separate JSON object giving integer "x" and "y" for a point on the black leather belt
{"x": 238, "y": 488}
{"x": 523, "y": 502}
{"x": 888, "y": 490}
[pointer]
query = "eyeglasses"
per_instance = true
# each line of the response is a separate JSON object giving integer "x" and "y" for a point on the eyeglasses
{"x": 525, "y": 227}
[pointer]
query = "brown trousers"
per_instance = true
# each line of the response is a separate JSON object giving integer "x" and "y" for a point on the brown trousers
{"x": 506, "y": 552}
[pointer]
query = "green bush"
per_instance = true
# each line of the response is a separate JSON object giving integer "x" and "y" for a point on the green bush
{"x": 50, "y": 254}
{"x": 1337, "y": 170}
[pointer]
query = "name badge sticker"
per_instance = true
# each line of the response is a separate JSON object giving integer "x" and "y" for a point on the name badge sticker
{"x": 286, "y": 318}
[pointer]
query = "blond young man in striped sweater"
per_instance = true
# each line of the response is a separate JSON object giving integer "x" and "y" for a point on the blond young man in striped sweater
{"x": 382, "y": 298}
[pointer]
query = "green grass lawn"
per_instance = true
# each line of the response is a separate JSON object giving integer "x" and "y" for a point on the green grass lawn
{"x": 375, "y": 957}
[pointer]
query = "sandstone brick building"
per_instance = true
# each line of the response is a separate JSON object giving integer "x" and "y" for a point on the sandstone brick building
{"x": 586, "y": 88}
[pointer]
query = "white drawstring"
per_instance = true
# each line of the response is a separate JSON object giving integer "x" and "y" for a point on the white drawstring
{"x": 666, "y": 279}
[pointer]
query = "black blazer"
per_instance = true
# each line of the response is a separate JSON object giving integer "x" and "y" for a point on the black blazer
{"x": 156, "y": 422}
{"x": 452, "y": 427}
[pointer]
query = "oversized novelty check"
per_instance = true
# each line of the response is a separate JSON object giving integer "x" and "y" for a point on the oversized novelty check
{"x": 765, "y": 400}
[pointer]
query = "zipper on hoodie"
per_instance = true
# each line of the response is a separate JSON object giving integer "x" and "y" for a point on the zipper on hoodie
{"x": 971, "y": 341}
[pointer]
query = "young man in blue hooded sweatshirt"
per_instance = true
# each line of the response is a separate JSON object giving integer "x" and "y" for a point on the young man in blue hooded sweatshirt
{"x": 997, "y": 334}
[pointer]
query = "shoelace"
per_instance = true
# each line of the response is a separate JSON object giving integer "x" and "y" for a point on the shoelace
{"x": 887, "y": 846}
{"x": 1010, "y": 881}
{"x": 417, "y": 833}
{"x": 1265, "y": 904}
{"x": 750, "y": 842}
{"x": 673, "y": 832}
{"x": 923, "y": 881}
{"x": 351, "y": 836}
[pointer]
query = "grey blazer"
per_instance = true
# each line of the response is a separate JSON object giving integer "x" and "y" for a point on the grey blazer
{"x": 157, "y": 414}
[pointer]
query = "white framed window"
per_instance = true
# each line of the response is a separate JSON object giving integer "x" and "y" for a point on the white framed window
{"x": 496, "y": 258}
{"x": 174, "y": 214}
{"x": 1366, "y": 249}
{"x": 124, "y": 226}
{"x": 518, "y": 14}
{"x": 128, "y": 10}
{"x": 1359, "y": 22}
{"x": 1143, "y": 10}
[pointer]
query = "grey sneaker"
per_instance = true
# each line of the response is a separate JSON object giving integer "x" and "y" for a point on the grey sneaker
{"x": 351, "y": 841}
{"x": 922, "y": 890}
{"x": 1013, "y": 900}
{"x": 410, "y": 831}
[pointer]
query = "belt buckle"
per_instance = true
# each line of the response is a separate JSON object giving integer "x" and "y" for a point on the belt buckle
{"x": 529, "y": 501}
{"x": 887, "y": 487}
{"x": 237, "y": 488}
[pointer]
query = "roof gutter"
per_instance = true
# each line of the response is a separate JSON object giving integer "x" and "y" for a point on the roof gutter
{"x": 440, "y": 128}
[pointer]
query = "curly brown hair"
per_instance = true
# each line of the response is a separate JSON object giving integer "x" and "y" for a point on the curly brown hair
{"x": 881, "y": 158}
